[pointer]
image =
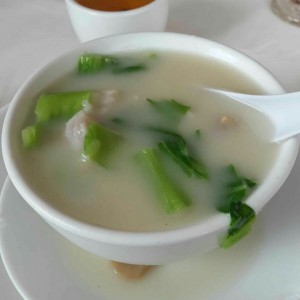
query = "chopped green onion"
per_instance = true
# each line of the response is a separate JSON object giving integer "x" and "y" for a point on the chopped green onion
{"x": 99, "y": 143}
{"x": 171, "y": 196}
{"x": 61, "y": 105}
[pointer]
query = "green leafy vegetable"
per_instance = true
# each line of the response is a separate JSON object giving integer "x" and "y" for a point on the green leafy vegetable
{"x": 111, "y": 61}
{"x": 30, "y": 135}
{"x": 171, "y": 196}
{"x": 93, "y": 63}
{"x": 170, "y": 108}
{"x": 129, "y": 69}
{"x": 153, "y": 55}
{"x": 60, "y": 105}
{"x": 99, "y": 143}
{"x": 179, "y": 154}
{"x": 174, "y": 145}
{"x": 118, "y": 120}
{"x": 166, "y": 134}
{"x": 237, "y": 189}
{"x": 198, "y": 133}
{"x": 242, "y": 217}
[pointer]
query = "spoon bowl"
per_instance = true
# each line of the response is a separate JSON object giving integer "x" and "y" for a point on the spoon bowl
{"x": 281, "y": 110}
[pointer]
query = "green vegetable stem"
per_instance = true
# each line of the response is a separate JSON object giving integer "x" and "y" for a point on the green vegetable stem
{"x": 172, "y": 198}
{"x": 30, "y": 135}
{"x": 60, "y": 105}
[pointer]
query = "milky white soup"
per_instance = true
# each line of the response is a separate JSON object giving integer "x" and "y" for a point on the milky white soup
{"x": 120, "y": 196}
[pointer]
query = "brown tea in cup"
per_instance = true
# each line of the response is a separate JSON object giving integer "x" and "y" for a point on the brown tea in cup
{"x": 113, "y": 5}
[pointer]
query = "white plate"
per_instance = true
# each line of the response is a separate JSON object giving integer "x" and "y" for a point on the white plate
{"x": 266, "y": 265}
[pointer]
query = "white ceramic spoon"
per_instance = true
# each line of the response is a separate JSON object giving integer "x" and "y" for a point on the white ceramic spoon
{"x": 282, "y": 110}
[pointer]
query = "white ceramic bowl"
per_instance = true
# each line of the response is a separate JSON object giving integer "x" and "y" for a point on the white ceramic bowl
{"x": 139, "y": 248}
{"x": 90, "y": 24}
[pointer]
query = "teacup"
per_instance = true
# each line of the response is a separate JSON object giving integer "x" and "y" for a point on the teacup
{"x": 90, "y": 23}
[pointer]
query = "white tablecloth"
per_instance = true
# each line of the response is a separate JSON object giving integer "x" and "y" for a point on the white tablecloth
{"x": 34, "y": 31}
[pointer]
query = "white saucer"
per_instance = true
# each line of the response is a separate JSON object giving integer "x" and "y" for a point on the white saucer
{"x": 264, "y": 266}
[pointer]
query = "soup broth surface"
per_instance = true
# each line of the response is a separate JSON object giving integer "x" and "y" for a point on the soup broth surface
{"x": 120, "y": 197}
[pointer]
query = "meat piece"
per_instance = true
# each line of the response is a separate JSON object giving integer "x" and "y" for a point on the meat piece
{"x": 102, "y": 102}
{"x": 130, "y": 271}
{"x": 76, "y": 129}
{"x": 226, "y": 121}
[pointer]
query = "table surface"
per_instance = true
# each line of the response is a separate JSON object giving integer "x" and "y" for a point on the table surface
{"x": 32, "y": 32}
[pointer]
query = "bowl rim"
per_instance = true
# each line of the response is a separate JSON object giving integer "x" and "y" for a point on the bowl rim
{"x": 218, "y": 222}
